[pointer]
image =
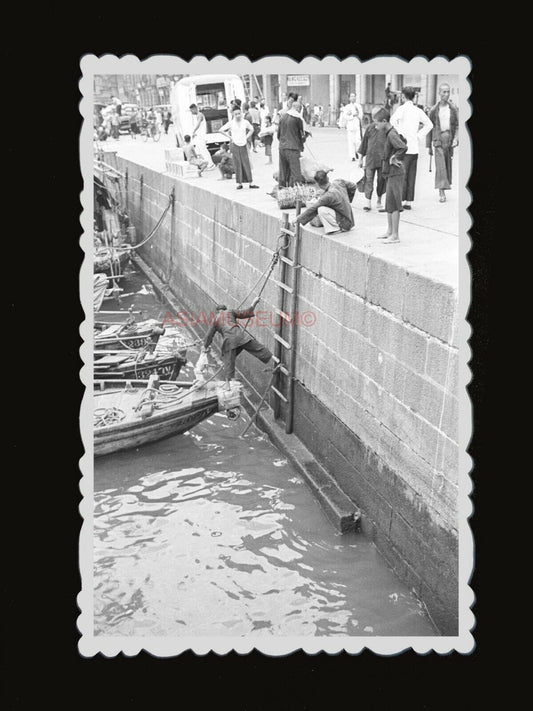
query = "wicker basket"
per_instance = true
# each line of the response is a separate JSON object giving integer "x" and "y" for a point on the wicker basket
{"x": 287, "y": 197}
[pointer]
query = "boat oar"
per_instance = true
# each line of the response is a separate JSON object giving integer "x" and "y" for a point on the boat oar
{"x": 117, "y": 276}
{"x": 121, "y": 313}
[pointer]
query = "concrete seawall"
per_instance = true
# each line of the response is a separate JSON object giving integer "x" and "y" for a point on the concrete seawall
{"x": 376, "y": 373}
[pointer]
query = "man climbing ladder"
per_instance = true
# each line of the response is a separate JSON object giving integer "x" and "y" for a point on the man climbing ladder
{"x": 235, "y": 338}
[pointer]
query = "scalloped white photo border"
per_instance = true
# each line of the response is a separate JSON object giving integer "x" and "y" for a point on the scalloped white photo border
{"x": 91, "y": 644}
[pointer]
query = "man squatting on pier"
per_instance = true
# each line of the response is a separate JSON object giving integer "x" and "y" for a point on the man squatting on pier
{"x": 333, "y": 209}
{"x": 235, "y": 338}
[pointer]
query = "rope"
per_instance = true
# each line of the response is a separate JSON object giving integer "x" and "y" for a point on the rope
{"x": 269, "y": 269}
{"x": 254, "y": 416}
{"x": 172, "y": 399}
{"x": 104, "y": 416}
{"x": 154, "y": 230}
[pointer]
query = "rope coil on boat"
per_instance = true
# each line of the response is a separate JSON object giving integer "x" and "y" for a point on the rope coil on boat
{"x": 104, "y": 416}
{"x": 167, "y": 397}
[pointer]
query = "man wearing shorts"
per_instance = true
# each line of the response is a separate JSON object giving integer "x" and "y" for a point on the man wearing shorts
{"x": 393, "y": 171}
{"x": 192, "y": 156}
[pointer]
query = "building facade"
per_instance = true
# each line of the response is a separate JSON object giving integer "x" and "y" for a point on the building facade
{"x": 327, "y": 90}
{"x": 333, "y": 90}
{"x": 146, "y": 90}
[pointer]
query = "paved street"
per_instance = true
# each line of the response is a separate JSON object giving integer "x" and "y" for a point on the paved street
{"x": 428, "y": 233}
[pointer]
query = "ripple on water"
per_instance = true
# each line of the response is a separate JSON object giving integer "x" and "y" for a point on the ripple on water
{"x": 207, "y": 534}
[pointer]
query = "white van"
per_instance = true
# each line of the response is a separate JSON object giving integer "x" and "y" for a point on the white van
{"x": 212, "y": 93}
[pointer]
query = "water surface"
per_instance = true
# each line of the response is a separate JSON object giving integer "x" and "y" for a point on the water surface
{"x": 210, "y": 534}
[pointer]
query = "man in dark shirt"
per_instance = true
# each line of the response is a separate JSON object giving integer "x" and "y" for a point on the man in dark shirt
{"x": 333, "y": 208}
{"x": 372, "y": 149}
{"x": 291, "y": 136}
{"x": 256, "y": 123}
{"x": 235, "y": 338}
{"x": 393, "y": 172}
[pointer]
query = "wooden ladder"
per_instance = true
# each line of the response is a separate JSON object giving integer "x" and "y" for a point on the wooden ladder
{"x": 285, "y": 350}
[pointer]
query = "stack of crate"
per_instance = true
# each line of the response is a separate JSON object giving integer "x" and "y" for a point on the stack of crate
{"x": 177, "y": 165}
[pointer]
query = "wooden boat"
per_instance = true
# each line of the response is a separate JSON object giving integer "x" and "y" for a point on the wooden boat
{"x": 139, "y": 366}
{"x": 100, "y": 288}
{"x": 105, "y": 258}
{"x": 129, "y": 335}
{"x": 136, "y": 412}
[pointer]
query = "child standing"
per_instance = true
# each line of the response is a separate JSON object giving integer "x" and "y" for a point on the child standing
{"x": 393, "y": 171}
{"x": 372, "y": 149}
{"x": 267, "y": 136}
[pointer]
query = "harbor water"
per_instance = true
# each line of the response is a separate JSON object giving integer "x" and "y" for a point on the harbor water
{"x": 211, "y": 534}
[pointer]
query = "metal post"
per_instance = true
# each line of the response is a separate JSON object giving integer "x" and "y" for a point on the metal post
{"x": 126, "y": 188}
{"x": 141, "y": 211}
{"x": 171, "y": 249}
{"x": 294, "y": 319}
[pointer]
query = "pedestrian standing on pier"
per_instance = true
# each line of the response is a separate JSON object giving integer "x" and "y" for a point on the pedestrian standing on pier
{"x": 117, "y": 103}
{"x": 393, "y": 171}
{"x": 263, "y": 112}
{"x": 167, "y": 121}
{"x": 199, "y": 133}
{"x": 115, "y": 124}
{"x": 134, "y": 122}
{"x": 442, "y": 139}
{"x": 353, "y": 118}
{"x": 372, "y": 150}
{"x": 267, "y": 136}
{"x": 238, "y": 130}
{"x": 235, "y": 338}
{"x": 413, "y": 124}
{"x": 256, "y": 124}
{"x": 333, "y": 209}
{"x": 291, "y": 137}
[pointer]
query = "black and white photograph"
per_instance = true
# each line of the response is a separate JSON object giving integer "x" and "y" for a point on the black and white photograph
{"x": 275, "y": 350}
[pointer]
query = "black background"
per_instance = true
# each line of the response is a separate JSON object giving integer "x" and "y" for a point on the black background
{"x": 41, "y": 663}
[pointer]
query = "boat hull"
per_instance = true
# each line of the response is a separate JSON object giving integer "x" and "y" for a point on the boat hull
{"x": 166, "y": 368}
{"x": 135, "y": 430}
{"x": 157, "y": 428}
{"x": 139, "y": 338}
{"x": 102, "y": 263}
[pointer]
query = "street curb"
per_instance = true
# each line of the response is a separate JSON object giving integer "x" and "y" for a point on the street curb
{"x": 337, "y": 506}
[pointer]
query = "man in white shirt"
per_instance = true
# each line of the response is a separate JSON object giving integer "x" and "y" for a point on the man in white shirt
{"x": 117, "y": 104}
{"x": 353, "y": 118}
{"x": 199, "y": 134}
{"x": 413, "y": 124}
{"x": 263, "y": 112}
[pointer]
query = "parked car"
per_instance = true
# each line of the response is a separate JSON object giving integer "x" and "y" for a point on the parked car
{"x": 127, "y": 110}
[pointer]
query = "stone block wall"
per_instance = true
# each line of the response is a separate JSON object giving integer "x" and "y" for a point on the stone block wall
{"x": 376, "y": 374}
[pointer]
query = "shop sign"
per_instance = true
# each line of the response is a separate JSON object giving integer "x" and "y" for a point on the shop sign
{"x": 298, "y": 80}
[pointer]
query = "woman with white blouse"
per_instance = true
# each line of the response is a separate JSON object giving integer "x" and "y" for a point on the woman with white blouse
{"x": 239, "y": 130}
